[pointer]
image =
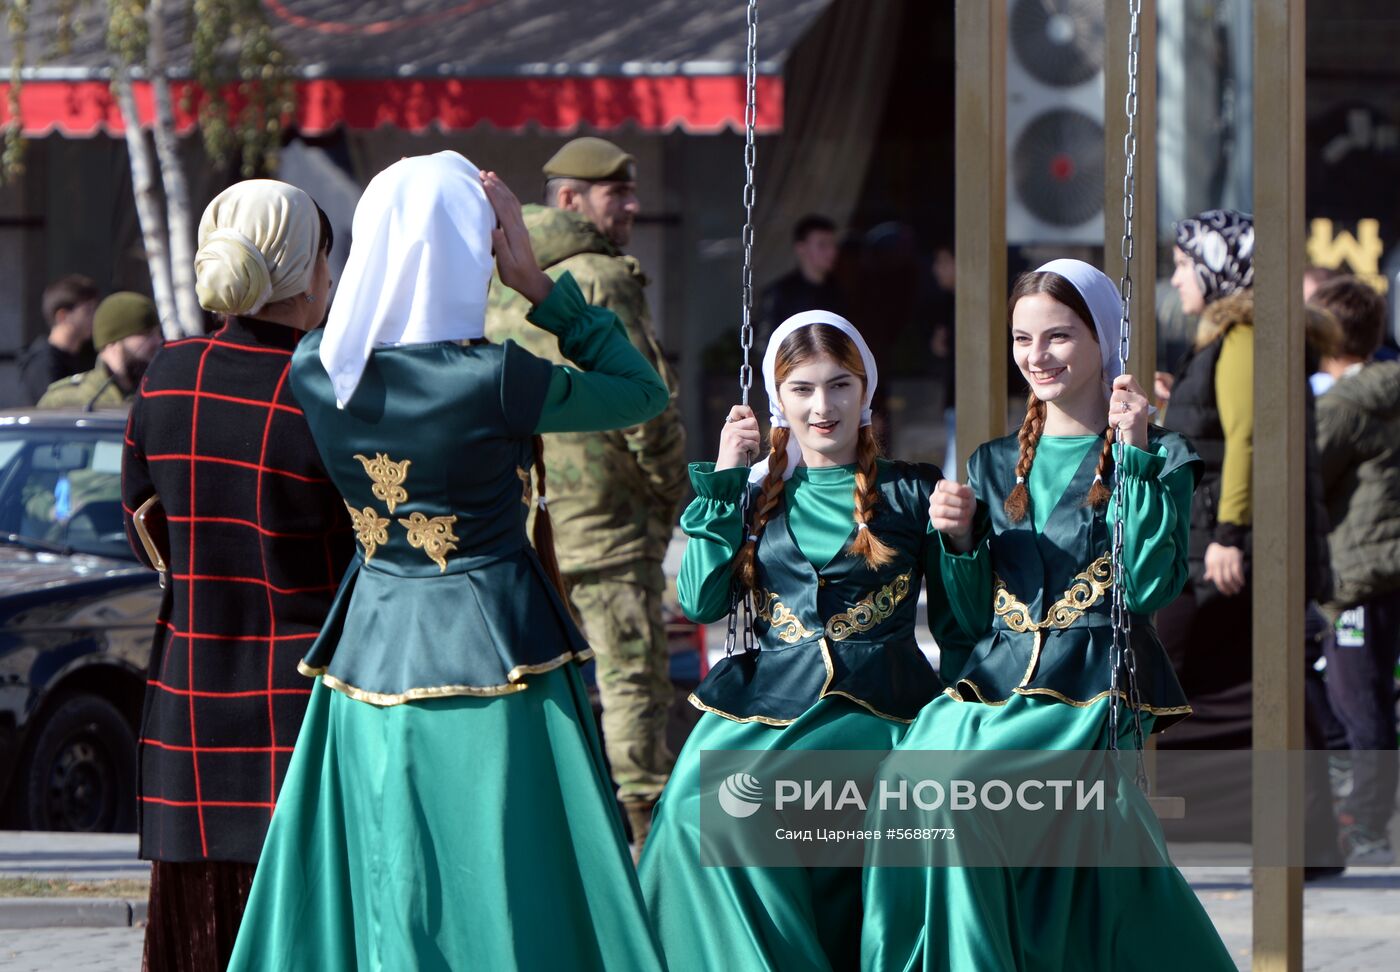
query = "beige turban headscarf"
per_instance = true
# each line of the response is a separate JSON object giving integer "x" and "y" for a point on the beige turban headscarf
{"x": 258, "y": 242}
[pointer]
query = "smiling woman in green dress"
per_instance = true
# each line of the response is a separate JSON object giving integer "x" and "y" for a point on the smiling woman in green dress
{"x": 1028, "y": 538}
{"x": 447, "y": 805}
{"x": 834, "y": 558}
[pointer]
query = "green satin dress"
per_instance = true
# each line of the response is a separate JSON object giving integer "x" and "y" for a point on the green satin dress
{"x": 447, "y": 805}
{"x": 825, "y": 677}
{"x": 1048, "y": 689}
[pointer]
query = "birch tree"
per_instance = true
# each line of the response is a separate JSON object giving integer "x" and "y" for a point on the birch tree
{"x": 231, "y": 49}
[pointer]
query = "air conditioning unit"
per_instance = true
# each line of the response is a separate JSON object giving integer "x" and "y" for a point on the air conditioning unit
{"x": 1054, "y": 122}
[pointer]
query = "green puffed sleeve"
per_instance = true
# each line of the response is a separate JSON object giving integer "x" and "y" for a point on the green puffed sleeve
{"x": 967, "y": 577}
{"x": 1157, "y": 488}
{"x": 715, "y": 525}
{"x": 617, "y": 387}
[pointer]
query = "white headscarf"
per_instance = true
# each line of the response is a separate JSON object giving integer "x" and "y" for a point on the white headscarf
{"x": 1105, "y": 306}
{"x": 770, "y": 357}
{"x": 419, "y": 267}
{"x": 258, "y": 242}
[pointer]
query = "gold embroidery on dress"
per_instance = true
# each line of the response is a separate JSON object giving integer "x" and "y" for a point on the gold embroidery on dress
{"x": 433, "y": 536}
{"x": 1088, "y": 588}
{"x": 786, "y": 625}
{"x": 371, "y": 529}
{"x": 388, "y": 477}
{"x": 526, "y": 488}
{"x": 869, "y": 610}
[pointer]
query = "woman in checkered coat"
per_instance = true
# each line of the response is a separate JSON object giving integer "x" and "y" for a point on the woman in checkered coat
{"x": 253, "y": 539}
{"x": 447, "y": 806}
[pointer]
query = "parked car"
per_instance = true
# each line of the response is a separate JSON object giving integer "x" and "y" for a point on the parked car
{"x": 77, "y": 612}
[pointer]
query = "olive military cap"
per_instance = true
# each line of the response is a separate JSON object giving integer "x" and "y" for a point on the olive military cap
{"x": 593, "y": 160}
{"x": 122, "y": 315}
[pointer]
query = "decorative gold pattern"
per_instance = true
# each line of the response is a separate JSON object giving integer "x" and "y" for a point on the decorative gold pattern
{"x": 388, "y": 477}
{"x": 371, "y": 529}
{"x": 870, "y": 610}
{"x": 786, "y": 625}
{"x": 433, "y": 536}
{"x": 1088, "y": 588}
{"x": 527, "y": 489}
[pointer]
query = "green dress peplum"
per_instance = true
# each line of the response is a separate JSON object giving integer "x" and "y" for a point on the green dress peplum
{"x": 1037, "y": 596}
{"x": 837, "y": 667}
{"x": 447, "y": 805}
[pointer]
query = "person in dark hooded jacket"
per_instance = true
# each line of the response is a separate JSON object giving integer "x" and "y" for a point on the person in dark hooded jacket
{"x": 1358, "y": 437}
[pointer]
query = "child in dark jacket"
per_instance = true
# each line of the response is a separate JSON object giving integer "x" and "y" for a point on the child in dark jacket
{"x": 1358, "y": 438}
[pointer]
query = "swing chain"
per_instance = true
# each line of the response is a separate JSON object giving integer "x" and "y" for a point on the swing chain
{"x": 739, "y": 598}
{"x": 750, "y": 159}
{"x": 1122, "y": 657}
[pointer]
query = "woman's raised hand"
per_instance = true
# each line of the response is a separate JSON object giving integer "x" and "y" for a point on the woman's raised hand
{"x": 739, "y": 441}
{"x": 510, "y": 240}
{"x": 1128, "y": 412}
{"x": 950, "y": 510}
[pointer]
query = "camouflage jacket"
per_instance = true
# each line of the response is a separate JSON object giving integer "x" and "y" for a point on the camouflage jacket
{"x": 613, "y": 496}
{"x": 90, "y": 389}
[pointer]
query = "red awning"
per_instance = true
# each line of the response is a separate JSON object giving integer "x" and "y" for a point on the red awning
{"x": 556, "y": 65}
{"x": 692, "y": 104}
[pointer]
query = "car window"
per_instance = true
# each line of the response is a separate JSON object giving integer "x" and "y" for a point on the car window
{"x": 63, "y": 488}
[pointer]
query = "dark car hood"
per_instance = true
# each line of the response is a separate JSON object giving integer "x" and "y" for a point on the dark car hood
{"x": 25, "y": 571}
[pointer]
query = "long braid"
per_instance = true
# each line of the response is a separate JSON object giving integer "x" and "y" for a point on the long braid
{"x": 1099, "y": 493}
{"x": 544, "y": 527}
{"x": 876, "y": 552}
{"x": 768, "y": 499}
{"x": 1018, "y": 504}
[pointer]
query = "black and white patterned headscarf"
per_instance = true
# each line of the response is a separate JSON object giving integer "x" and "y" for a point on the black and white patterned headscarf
{"x": 1220, "y": 242}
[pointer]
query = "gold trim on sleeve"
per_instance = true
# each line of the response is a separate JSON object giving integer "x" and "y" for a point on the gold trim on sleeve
{"x": 388, "y": 477}
{"x": 433, "y": 536}
{"x": 784, "y": 622}
{"x": 870, "y": 610}
{"x": 371, "y": 529}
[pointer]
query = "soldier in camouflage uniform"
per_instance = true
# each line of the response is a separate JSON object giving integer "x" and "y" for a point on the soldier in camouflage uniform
{"x": 613, "y": 496}
{"x": 126, "y": 333}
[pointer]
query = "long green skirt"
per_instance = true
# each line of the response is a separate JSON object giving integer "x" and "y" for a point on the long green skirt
{"x": 757, "y": 919}
{"x": 448, "y": 834}
{"x": 988, "y": 919}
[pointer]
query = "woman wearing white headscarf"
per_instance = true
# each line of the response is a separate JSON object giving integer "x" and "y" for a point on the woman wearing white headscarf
{"x": 220, "y": 466}
{"x": 447, "y": 805}
{"x": 1026, "y": 559}
{"x": 834, "y": 556}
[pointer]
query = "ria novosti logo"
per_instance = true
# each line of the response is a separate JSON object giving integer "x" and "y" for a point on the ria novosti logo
{"x": 740, "y": 795}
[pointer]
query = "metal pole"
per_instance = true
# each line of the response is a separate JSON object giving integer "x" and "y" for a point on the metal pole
{"x": 980, "y": 222}
{"x": 1278, "y": 477}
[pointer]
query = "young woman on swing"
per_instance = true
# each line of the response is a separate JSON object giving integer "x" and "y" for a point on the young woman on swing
{"x": 834, "y": 554}
{"x": 1026, "y": 562}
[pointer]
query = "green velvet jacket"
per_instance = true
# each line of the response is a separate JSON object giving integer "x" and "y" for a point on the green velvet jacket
{"x": 1039, "y": 600}
{"x": 432, "y": 456}
{"x": 842, "y": 629}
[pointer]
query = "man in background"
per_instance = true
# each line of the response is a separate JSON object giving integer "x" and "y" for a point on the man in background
{"x": 126, "y": 332}
{"x": 613, "y": 496}
{"x": 69, "y": 303}
{"x": 809, "y": 286}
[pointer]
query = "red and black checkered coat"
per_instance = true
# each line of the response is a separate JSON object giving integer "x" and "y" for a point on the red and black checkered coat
{"x": 259, "y": 540}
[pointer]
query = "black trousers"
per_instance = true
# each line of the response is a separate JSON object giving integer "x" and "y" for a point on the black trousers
{"x": 1361, "y": 687}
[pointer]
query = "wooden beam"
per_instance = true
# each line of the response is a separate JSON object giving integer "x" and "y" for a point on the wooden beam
{"x": 1142, "y": 357}
{"x": 980, "y": 222}
{"x": 1278, "y": 477}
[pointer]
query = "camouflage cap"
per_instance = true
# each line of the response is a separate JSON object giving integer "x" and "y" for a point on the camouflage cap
{"x": 591, "y": 159}
{"x": 122, "y": 315}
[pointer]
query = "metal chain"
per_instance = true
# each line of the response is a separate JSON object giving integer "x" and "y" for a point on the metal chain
{"x": 1121, "y": 657}
{"x": 739, "y": 599}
